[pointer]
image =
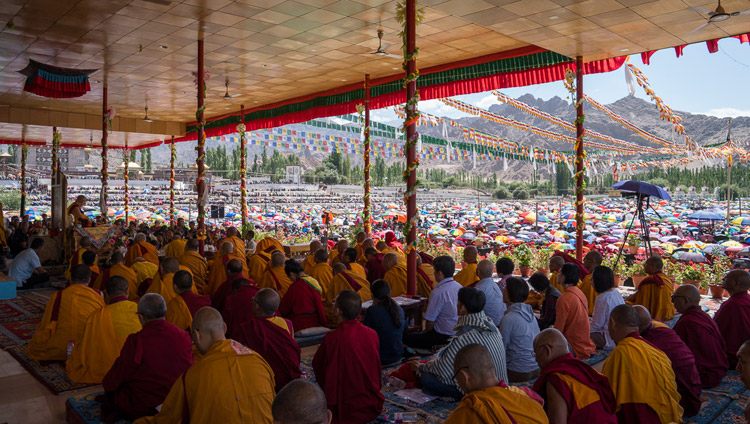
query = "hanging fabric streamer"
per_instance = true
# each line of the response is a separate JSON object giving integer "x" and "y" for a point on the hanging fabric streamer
{"x": 505, "y": 163}
{"x": 629, "y": 80}
{"x": 445, "y": 137}
{"x": 419, "y": 144}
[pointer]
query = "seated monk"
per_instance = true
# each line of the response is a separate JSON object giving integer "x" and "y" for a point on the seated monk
{"x": 425, "y": 278}
{"x": 743, "y": 367}
{"x": 683, "y": 362}
{"x": 104, "y": 335}
{"x": 701, "y": 335}
{"x": 272, "y": 337}
{"x": 468, "y": 274}
{"x": 572, "y": 316}
{"x": 323, "y": 274}
{"x": 392, "y": 245}
{"x": 309, "y": 262}
{"x": 217, "y": 274}
{"x": 395, "y": 274}
{"x": 655, "y": 291}
{"x": 65, "y": 317}
{"x": 555, "y": 263}
{"x": 117, "y": 269}
{"x": 77, "y": 257}
{"x": 89, "y": 259}
{"x": 347, "y": 365}
{"x": 230, "y": 384}
{"x": 361, "y": 255}
{"x": 592, "y": 260}
{"x": 337, "y": 252}
{"x": 233, "y": 236}
{"x": 489, "y": 400}
{"x": 144, "y": 274}
{"x": 182, "y": 308}
{"x": 275, "y": 277}
{"x": 733, "y": 316}
{"x": 197, "y": 264}
{"x": 162, "y": 282}
{"x": 238, "y": 306}
{"x": 150, "y": 362}
{"x": 175, "y": 248}
{"x": 343, "y": 279}
{"x": 257, "y": 263}
{"x": 75, "y": 209}
{"x": 641, "y": 375}
{"x": 235, "y": 280}
{"x": 573, "y": 391}
{"x": 301, "y": 402}
{"x": 349, "y": 258}
{"x": 374, "y": 266}
{"x": 141, "y": 249}
{"x": 302, "y": 303}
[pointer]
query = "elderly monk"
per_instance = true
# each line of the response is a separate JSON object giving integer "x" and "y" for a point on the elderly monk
{"x": 343, "y": 279}
{"x": 231, "y": 384}
{"x": 572, "y": 316}
{"x": 468, "y": 274}
{"x": 175, "y": 248}
{"x": 683, "y": 362}
{"x": 77, "y": 257}
{"x": 150, "y": 361}
{"x": 425, "y": 278}
{"x": 733, "y": 316}
{"x": 349, "y": 258}
{"x": 743, "y": 367}
{"x": 104, "y": 336}
{"x": 592, "y": 260}
{"x": 302, "y": 304}
{"x": 701, "y": 335}
{"x": 573, "y": 391}
{"x": 640, "y": 374}
{"x": 338, "y": 252}
{"x": 272, "y": 337}
{"x": 489, "y": 400}
{"x": 162, "y": 282}
{"x": 182, "y": 308}
{"x": 235, "y": 279}
{"x": 117, "y": 269}
{"x": 217, "y": 274}
{"x": 374, "y": 266}
{"x": 257, "y": 263}
{"x": 196, "y": 263}
{"x": 655, "y": 291}
{"x": 347, "y": 365}
{"x": 309, "y": 262}
{"x": 233, "y": 236}
{"x": 65, "y": 317}
{"x": 395, "y": 274}
{"x": 75, "y": 209}
{"x": 275, "y": 277}
{"x": 301, "y": 402}
{"x": 555, "y": 263}
{"x": 141, "y": 249}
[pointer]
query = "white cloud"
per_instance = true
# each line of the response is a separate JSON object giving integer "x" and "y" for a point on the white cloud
{"x": 487, "y": 101}
{"x": 728, "y": 112}
{"x": 438, "y": 108}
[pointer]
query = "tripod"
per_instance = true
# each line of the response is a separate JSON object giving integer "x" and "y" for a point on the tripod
{"x": 640, "y": 214}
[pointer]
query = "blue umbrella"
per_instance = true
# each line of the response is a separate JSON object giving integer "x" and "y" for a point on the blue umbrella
{"x": 705, "y": 216}
{"x": 641, "y": 187}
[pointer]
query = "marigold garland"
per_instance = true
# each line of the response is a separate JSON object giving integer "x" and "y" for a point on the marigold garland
{"x": 579, "y": 160}
{"x": 201, "y": 150}
{"x": 126, "y": 161}
{"x": 366, "y": 157}
{"x": 56, "y": 140}
{"x": 243, "y": 172}
{"x": 172, "y": 159}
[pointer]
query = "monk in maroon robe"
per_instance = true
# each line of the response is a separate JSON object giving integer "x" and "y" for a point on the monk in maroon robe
{"x": 235, "y": 279}
{"x": 302, "y": 303}
{"x": 148, "y": 365}
{"x": 683, "y": 362}
{"x": 564, "y": 376}
{"x": 347, "y": 365}
{"x": 238, "y": 308}
{"x": 701, "y": 335}
{"x": 374, "y": 266}
{"x": 272, "y": 337}
{"x": 733, "y": 316}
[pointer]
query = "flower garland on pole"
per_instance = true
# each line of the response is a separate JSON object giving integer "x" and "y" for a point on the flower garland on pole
{"x": 576, "y": 92}
{"x": 126, "y": 161}
{"x": 364, "y": 114}
{"x": 107, "y": 115}
{"x": 56, "y": 140}
{"x": 24, "y": 151}
{"x": 172, "y": 159}
{"x": 200, "y": 79}
{"x": 243, "y": 170}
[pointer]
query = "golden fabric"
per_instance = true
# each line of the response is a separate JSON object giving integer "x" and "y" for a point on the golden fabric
{"x": 275, "y": 278}
{"x": 124, "y": 272}
{"x": 333, "y": 257}
{"x": 467, "y": 276}
{"x": 282, "y": 323}
{"x": 165, "y": 286}
{"x": 198, "y": 267}
{"x": 424, "y": 287}
{"x": 553, "y": 282}
{"x": 308, "y": 263}
{"x": 497, "y": 405}
{"x": 178, "y": 313}
{"x": 396, "y": 278}
{"x": 587, "y": 287}
{"x": 358, "y": 269}
{"x": 399, "y": 254}
{"x": 341, "y": 283}
{"x": 103, "y": 338}
{"x": 238, "y": 243}
{"x": 257, "y": 264}
{"x": 50, "y": 339}
{"x": 144, "y": 271}
{"x": 657, "y": 299}
{"x": 142, "y": 249}
{"x": 323, "y": 274}
{"x": 217, "y": 273}
{"x": 175, "y": 249}
{"x": 78, "y": 256}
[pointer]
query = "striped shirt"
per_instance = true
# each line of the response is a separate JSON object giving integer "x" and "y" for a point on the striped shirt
{"x": 470, "y": 329}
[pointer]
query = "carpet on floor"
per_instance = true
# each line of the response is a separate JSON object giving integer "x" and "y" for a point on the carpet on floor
{"x": 309, "y": 341}
{"x": 51, "y": 374}
{"x": 16, "y": 333}
{"x": 83, "y": 409}
{"x": 24, "y": 306}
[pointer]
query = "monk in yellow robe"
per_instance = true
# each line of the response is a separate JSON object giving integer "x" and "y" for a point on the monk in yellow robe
{"x": 89, "y": 259}
{"x": 117, "y": 269}
{"x": 301, "y": 401}
{"x": 182, "y": 308}
{"x": 343, "y": 279}
{"x": 233, "y": 236}
{"x": 592, "y": 260}
{"x": 555, "y": 263}
{"x": 641, "y": 375}
{"x": 395, "y": 274}
{"x": 336, "y": 254}
{"x": 425, "y": 278}
{"x": 65, "y": 317}
{"x": 309, "y": 262}
{"x": 230, "y": 384}
{"x": 144, "y": 271}
{"x": 362, "y": 258}
{"x": 217, "y": 273}
{"x": 361, "y": 237}
{"x": 77, "y": 257}
{"x": 655, "y": 291}
{"x": 196, "y": 263}
{"x": 488, "y": 400}
{"x": 257, "y": 263}
{"x": 468, "y": 274}
{"x": 275, "y": 277}
{"x": 175, "y": 248}
{"x": 104, "y": 336}
{"x": 141, "y": 249}
{"x": 384, "y": 248}
{"x": 349, "y": 258}
{"x": 163, "y": 283}
{"x": 322, "y": 272}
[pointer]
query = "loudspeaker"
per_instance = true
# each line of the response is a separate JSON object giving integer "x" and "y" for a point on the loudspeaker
{"x": 217, "y": 211}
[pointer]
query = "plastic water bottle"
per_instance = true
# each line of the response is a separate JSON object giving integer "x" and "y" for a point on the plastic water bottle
{"x": 396, "y": 383}
{"x": 70, "y": 347}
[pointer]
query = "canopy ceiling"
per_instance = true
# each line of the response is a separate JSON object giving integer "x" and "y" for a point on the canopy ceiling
{"x": 272, "y": 51}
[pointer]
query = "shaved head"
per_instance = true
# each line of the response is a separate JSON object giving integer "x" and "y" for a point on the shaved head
{"x": 300, "y": 402}
{"x": 208, "y": 328}
{"x": 549, "y": 345}
{"x": 390, "y": 260}
{"x": 268, "y": 302}
{"x": 381, "y": 246}
{"x": 170, "y": 266}
{"x": 485, "y": 268}
{"x": 227, "y": 248}
{"x": 361, "y": 236}
{"x": 116, "y": 258}
{"x": 743, "y": 363}
{"x": 85, "y": 242}
{"x": 691, "y": 293}
{"x": 737, "y": 281}
{"x": 117, "y": 286}
{"x": 474, "y": 368}
{"x": 314, "y": 246}
{"x": 234, "y": 266}
{"x": 623, "y": 320}
{"x": 192, "y": 244}
{"x": 338, "y": 268}
{"x": 555, "y": 263}
{"x": 644, "y": 317}
{"x": 367, "y": 243}
{"x": 655, "y": 263}
{"x": 470, "y": 254}
{"x": 321, "y": 256}
{"x": 592, "y": 260}
{"x": 232, "y": 232}
{"x": 277, "y": 258}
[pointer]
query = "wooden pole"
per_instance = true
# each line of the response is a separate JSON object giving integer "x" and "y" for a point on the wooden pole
{"x": 24, "y": 150}
{"x": 126, "y": 161}
{"x": 243, "y": 171}
{"x": 172, "y": 158}
{"x": 579, "y": 158}
{"x": 366, "y": 210}
{"x": 411, "y": 151}
{"x": 105, "y": 163}
{"x": 201, "y": 182}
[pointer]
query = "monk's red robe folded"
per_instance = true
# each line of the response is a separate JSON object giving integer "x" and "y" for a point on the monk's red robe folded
{"x": 276, "y": 345}
{"x": 219, "y": 298}
{"x": 683, "y": 364}
{"x": 303, "y": 306}
{"x": 149, "y": 363}
{"x": 701, "y": 335}
{"x": 347, "y": 368}
{"x": 733, "y": 320}
{"x": 238, "y": 309}
{"x": 586, "y": 391}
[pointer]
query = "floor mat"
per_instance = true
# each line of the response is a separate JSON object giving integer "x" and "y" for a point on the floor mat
{"x": 51, "y": 374}
{"x": 23, "y": 307}
{"x": 83, "y": 409}
{"x": 16, "y": 333}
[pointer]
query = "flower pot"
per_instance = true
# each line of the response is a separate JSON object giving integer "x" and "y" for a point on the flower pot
{"x": 703, "y": 292}
{"x": 717, "y": 291}
{"x": 696, "y": 283}
{"x": 618, "y": 281}
{"x": 637, "y": 279}
{"x": 516, "y": 272}
{"x": 544, "y": 271}
{"x": 726, "y": 293}
{"x": 525, "y": 271}
{"x": 633, "y": 248}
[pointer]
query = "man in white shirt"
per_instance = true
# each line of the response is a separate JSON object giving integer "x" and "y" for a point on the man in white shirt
{"x": 26, "y": 269}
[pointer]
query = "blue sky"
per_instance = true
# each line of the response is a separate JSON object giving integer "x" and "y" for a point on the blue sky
{"x": 698, "y": 82}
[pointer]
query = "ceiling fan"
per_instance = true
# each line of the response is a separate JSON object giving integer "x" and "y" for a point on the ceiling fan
{"x": 227, "y": 96}
{"x": 717, "y": 15}
{"x": 381, "y": 49}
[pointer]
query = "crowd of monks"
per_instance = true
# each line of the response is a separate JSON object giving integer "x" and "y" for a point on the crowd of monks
{"x": 180, "y": 338}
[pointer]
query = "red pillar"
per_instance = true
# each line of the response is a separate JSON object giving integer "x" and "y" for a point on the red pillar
{"x": 366, "y": 199}
{"x": 411, "y": 152}
{"x": 105, "y": 163}
{"x": 201, "y": 182}
{"x": 243, "y": 170}
{"x": 172, "y": 158}
{"x": 579, "y": 158}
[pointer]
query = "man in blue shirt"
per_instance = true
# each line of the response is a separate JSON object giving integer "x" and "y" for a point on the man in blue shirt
{"x": 518, "y": 328}
{"x": 494, "y": 307}
{"x": 442, "y": 313}
{"x": 26, "y": 269}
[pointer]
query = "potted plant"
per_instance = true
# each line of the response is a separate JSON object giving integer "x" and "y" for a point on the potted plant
{"x": 693, "y": 274}
{"x": 722, "y": 264}
{"x": 633, "y": 243}
{"x": 524, "y": 257}
{"x": 541, "y": 260}
{"x": 637, "y": 273}
{"x": 617, "y": 267}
